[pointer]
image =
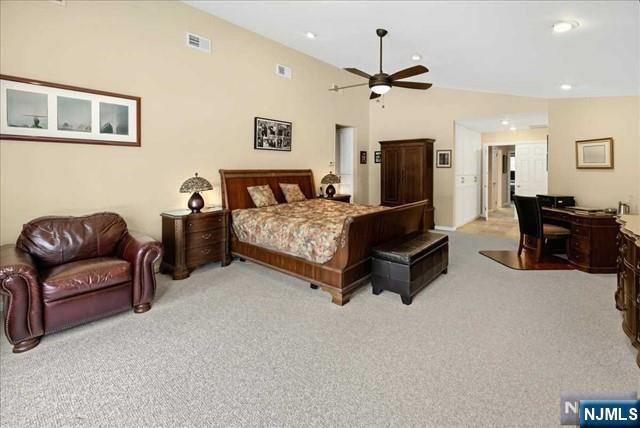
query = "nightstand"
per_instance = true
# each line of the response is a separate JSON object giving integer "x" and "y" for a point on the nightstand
{"x": 191, "y": 240}
{"x": 340, "y": 198}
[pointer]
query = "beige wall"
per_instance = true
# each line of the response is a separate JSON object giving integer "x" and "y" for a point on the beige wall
{"x": 589, "y": 118}
{"x": 197, "y": 109}
{"x": 431, "y": 114}
{"x": 515, "y": 136}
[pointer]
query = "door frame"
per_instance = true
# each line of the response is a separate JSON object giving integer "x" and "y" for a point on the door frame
{"x": 485, "y": 166}
{"x": 355, "y": 156}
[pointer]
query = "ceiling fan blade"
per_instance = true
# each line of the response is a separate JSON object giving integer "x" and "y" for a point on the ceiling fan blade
{"x": 358, "y": 72}
{"x": 373, "y": 96}
{"x": 412, "y": 85}
{"x": 409, "y": 72}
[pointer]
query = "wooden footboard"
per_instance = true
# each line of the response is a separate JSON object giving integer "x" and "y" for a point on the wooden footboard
{"x": 350, "y": 267}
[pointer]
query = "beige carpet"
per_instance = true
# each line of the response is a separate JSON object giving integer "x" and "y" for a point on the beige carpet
{"x": 245, "y": 346}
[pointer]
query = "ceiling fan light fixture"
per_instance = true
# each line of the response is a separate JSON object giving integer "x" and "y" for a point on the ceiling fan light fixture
{"x": 381, "y": 88}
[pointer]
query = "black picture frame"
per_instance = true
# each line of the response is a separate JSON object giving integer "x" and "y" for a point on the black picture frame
{"x": 377, "y": 156}
{"x": 443, "y": 158}
{"x": 363, "y": 157}
{"x": 272, "y": 134}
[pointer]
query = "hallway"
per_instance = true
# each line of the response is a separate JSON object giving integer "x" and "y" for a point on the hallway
{"x": 501, "y": 222}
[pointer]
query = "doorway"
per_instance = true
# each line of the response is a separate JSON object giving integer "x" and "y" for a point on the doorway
{"x": 512, "y": 169}
{"x": 344, "y": 159}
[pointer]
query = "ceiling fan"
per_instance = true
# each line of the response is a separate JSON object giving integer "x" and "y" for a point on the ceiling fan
{"x": 381, "y": 82}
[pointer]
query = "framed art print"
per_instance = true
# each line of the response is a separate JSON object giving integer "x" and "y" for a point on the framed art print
{"x": 594, "y": 154}
{"x": 363, "y": 157}
{"x": 271, "y": 134}
{"x": 34, "y": 110}
{"x": 443, "y": 158}
{"x": 377, "y": 156}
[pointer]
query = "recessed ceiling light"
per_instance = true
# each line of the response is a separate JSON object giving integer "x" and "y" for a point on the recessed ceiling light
{"x": 310, "y": 35}
{"x": 416, "y": 57}
{"x": 512, "y": 128}
{"x": 566, "y": 87}
{"x": 564, "y": 26}
{"x": 504, "y": 122}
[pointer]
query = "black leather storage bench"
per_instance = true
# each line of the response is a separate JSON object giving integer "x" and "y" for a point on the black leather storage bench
{"x": 408, "y": 264}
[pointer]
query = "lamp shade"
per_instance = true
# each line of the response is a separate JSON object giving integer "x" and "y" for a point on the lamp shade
{"x": 330, "y": 178}
{"x": 195, "y": 184}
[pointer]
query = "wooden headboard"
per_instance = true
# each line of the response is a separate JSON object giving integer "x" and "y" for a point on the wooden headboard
{"x": 235, "y": 183}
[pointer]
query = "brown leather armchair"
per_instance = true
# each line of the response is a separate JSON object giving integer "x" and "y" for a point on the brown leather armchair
{"x": 66, "y": 271}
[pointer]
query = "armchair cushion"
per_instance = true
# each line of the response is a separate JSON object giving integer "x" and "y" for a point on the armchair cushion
{"x": 82, "y": 276}
{"x": 56, "y": 240}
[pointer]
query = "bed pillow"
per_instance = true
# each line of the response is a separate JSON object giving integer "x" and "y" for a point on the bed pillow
{"x": 292, "y": 192}
{"x": 262, "y": 196}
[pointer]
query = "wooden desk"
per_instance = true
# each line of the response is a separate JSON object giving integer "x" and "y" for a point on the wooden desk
{"x": 592, "y": 245}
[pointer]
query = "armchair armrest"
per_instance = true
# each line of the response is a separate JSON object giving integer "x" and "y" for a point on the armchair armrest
{"x": 19, "y": 282}
{"x": 142, "y": 252}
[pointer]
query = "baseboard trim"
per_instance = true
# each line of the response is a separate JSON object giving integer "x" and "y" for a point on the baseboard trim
{"x": 446, "y": 228}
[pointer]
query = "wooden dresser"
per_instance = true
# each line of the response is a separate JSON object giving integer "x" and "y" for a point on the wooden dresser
{"x": 627, "y": 295}
{"x": 406, "y": 174}
{"x": 592, "y": 243}
{"x": 191, "y": 240}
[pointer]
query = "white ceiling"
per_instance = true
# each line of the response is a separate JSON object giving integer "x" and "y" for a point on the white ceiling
{"x": 494, "y": 124}
{"x": 495, "y": 46}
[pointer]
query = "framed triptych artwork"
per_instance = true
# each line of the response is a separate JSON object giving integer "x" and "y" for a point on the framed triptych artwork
{"x": 34, "y": 110}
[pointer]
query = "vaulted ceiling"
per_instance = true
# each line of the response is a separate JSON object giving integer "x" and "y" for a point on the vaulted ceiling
{"x": 496, "y": 46}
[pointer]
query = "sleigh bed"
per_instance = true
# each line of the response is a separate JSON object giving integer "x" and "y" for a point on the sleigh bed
{"x": 348, "y": 265}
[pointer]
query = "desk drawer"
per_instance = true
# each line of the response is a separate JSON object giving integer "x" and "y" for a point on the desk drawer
{"x": 580, "y": 230}
{"x": 580, "y": 244}
{"x": 204, "y": 223}
{"x": 578, "y": 255}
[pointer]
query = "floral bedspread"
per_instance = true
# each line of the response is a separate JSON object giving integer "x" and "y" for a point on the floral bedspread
{"x": 309, "y": 229}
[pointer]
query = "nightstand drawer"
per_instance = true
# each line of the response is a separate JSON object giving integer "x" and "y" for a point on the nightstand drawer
{"x": 204, "y": 238}
{"x": 198, "y": 256}
{"x": 199, "y": 224}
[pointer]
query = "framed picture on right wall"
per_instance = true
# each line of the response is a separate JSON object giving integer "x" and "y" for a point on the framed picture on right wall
{"x": 594, "y": 154}
{"x": 443, "y": 158}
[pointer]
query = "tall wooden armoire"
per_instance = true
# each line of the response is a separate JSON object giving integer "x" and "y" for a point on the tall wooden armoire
{"x": 407, "y": 174}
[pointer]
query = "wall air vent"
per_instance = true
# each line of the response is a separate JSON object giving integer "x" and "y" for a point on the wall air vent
{"x": 283, "y": 71}
{"x": 198, "y": 42}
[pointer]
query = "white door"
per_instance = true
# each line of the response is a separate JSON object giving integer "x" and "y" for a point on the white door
{"x": 344, "y": 160}
{"x": 485, "y": 182}
{"x": 467, "y": 164}
{"x": 531, "y": 169}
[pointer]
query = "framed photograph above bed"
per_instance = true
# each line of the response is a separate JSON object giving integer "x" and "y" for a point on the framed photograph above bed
{"x": 594, "y": 154}
{"x": 271, "y": 134}
{"x": 34, "y": 110}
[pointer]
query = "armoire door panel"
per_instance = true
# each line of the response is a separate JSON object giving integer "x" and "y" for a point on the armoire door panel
{"x": 413, "y": 164}
{"x": 391, "y": 176}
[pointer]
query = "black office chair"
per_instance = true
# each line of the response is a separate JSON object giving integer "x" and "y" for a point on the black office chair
{"x": 531, "y": 224}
